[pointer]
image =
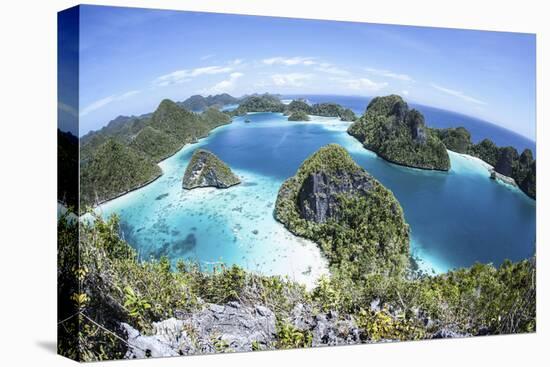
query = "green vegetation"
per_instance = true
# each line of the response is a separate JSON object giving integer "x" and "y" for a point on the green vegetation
{"x": 270, "y": 103}
{"x": 102, "y": 283}
{"x": 362, "y": 231}
{"x": 259, "y": 103}
{"x": 297, "y": 105}
{"x": 456, "y": 139}
{"x": 298, "y": 116}
{"x": 198, "y": 103}
{"x": 205, "y": 169}
{"x": 507, "y": 161}
{"x": 122, "y": 129}
{"x": 155, "y": 143}
{"x": 112, "y": 170}
{"x": 320, "y": 109}
{"x": 399, "y": 135}
{"x": 123, "y": 155}
{"x": 333, "y": 110}
{"x": 485, "y": 150}
{"x": 290, "y": 337}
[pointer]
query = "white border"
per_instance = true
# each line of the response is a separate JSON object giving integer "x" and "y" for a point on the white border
{"x": 28, "y": 181}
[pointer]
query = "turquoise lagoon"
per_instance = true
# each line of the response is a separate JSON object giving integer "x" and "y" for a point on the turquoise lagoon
{"x": 457, "y": 218}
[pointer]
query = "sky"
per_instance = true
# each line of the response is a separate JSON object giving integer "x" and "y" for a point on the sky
{"x": 131, "y": 59}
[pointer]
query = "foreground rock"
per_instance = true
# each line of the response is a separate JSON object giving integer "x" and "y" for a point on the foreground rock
{"x": 354, "y": 219}
{"x": 400, "y": 135}
{"x": 228, "y": 328}
{"x": 326, "y": 328}
{"x": 205, "y": 169}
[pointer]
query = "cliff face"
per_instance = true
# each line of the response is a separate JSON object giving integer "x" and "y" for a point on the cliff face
{"x": 357, "y": 222}
{"x": 205, "y": 169}
{"x": 318, "y": 198}
{"x": 506, "y": 161}
{"x": 400, "y": 135}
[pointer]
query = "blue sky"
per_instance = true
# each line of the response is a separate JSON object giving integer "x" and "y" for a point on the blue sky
{"x": 130, "y": 59}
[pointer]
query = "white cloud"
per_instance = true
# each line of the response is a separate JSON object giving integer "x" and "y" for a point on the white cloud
{"x": 405, "y": 92}
{"x": 105, "y": 101}
{"x": 185, "y": 75}
{"x": 390, "y": 74}
{"x": 459, "y": 94}
{"x": 224, "y": 86}
{"x": 364, "y": 84}
{"x": 67, "y": 109}
{"x": 319, "y": 65}
{"x": 206, "y": 57}
{"x": 325, "y": 67}
{"x": 289, "y": 61}
{"x": 290, "y": 79}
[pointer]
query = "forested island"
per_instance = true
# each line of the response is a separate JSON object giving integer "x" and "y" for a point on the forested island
{"x": 198, "y": 103}
{"x": 399, "y": 134}
{"x": 505, "y": 160}
{"x": 207, "y": 170}
{"x": 272, "y": 103}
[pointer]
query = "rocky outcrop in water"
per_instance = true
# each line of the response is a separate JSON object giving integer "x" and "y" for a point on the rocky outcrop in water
{"x": 335, "y": 202}
{"x": 205, "y": 169}
{"x": 400, "y": 135}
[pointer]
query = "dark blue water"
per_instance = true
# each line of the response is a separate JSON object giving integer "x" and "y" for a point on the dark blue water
{"x": 439, "y": 118}
{"x": 456, "y": 218}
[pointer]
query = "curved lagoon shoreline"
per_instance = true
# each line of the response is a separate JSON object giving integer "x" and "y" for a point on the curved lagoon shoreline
{"x": 273, "y": 250}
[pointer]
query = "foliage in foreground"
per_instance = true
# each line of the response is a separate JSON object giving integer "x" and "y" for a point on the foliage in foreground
{"x": 111, "y": 286}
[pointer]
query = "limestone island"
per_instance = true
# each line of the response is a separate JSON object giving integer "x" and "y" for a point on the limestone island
{"x": 272, "y": 103}
{"x": 506, "y": 164}
{"x": 298, "y": 116}
{"x": 357, "y": 222}
{"x": 207, "y": 170}
{"x": 399, "y": 135}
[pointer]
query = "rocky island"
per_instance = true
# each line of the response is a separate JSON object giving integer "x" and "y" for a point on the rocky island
{"x": 207, "y": 170}
{"x": 272, "y": 103}
{"x": 356, "y": 221}
{"x": 508, "y": 165}
{"x": 400, "y": 135}
{"x": 259, "y": 103}
{"x": 320, "y": 109}
{"x": 298, "y": 116}
{"x": 198, "y": 103}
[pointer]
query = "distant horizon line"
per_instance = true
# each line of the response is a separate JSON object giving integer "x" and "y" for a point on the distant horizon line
{"x": 408, "y": 101}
